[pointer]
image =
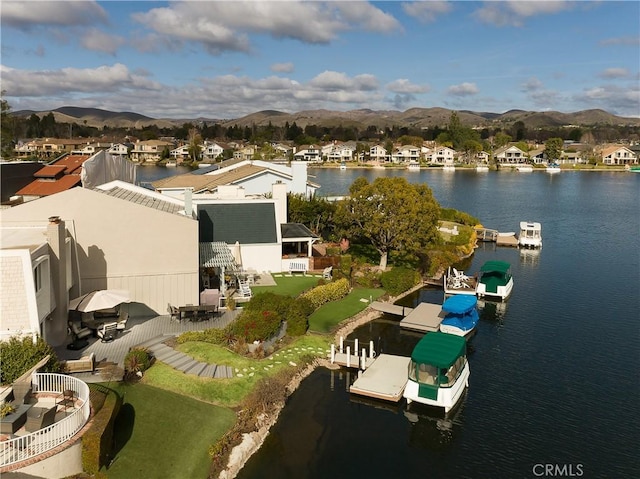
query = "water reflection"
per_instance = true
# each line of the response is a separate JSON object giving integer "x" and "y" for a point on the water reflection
{"x": 492, "y": 311}
{"x": 529, "y": 257}
{"x": 430, "y": 428}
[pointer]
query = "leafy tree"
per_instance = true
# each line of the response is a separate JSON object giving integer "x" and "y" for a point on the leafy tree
{"x": 7, "y": 127}
{"x": 390, "y": 213}
{"x": 195, "y": 141}
{"x": 501, "y": 139}
{"x": 315, "y": 213}
{"x": 553, "y": 148}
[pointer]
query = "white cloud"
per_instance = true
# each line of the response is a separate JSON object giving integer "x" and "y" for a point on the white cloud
{"x": 624, "y": 101}
{"x": 225, "y": 26}
{"x": 25, "y": 15}
{"x": 615, "y": 73}
{"x": 99, "y": 41}
{"x": 402, "y": 85}
{"x": 427, "y": 12}
{"x": 463, "y": 89}
{"x": 70, "y": 81}
{"x": 335, "y": 81}
{"x": 282, "y": 67}
{"x": 514, "y": 12}
{"x": 531, "y": 85}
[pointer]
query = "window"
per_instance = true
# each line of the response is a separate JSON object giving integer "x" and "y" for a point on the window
{"x": 37, "y": 277}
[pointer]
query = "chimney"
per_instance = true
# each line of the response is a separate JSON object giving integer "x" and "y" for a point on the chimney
{"x": 55, "y": 331}
{"x": 279, "y": 194}
{"x": 299, "y": 177}
{"x": 188, "y": 201}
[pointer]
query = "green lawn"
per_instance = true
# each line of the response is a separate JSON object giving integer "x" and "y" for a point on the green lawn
{"x": 162, "y": 434}
{"x": 325, "y": 318}
{"x": 230, "y": 392}
{"x": 289, "y": 285}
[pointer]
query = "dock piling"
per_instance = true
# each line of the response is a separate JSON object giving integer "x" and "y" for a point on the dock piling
{"x": 348, "y": 356}
{"x": 333, "y": 353}
{"x": 371, "y": 351}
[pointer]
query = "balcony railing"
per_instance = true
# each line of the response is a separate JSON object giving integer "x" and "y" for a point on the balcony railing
{"x": 25, "y": 447}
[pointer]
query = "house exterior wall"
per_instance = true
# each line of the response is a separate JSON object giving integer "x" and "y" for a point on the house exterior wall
{"x": 123, "y": 245}
{"x": 262, "y": 257}
{"x": 18, "y": 308}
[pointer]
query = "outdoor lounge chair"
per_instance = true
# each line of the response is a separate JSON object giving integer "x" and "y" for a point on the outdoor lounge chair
{"x": 40, "y": 417}
{"x": 173, "y": 311}
{"x": 107, "y": 332}
{"x": 122, "y": 322}
{"x": 22, "y": 391}
{"x": 78, "y": 331}
{"x": 327, "y": 272}
{"x": 245, "y": 289}
{"x": 68, "y": 399}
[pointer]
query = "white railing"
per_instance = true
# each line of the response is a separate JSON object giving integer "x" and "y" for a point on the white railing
{"x": 25, "y": 447}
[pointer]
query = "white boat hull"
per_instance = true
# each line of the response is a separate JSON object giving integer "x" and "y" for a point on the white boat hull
{"x": 447, "y": 398}
{"x": 524, "y": 169}
{"x": 449, "y": 168}
{"x": 502, "y": 292}
{"x": 446, "y": 328}
{"x": 530, "y": 242}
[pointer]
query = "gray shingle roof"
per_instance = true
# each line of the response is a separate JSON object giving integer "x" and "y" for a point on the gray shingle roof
{"x": 142, "y": 199}
{"x": 296, "y": 230}
{"x": 247, "y": 223}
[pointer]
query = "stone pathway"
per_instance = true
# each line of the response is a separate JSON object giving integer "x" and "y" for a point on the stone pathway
{"x": 183, "y": 362}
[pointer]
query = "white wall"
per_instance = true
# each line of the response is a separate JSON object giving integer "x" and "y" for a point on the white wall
{"x": 262, "y": 257}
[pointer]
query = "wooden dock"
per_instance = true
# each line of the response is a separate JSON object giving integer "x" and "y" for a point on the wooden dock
{"x": 390, "y": 308}
{"x": 385, "y": 379}
{"x": 506, "y": 240}
{"x": 500, "y": 239}
{"x": 351, "y": 360}
{"x": 425, "y": 317}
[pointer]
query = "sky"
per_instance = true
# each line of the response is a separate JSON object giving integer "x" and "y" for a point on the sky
{"x": 228, "y": 59}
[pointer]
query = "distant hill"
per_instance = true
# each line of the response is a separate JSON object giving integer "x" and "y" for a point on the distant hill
{"x": 362, "y": 118}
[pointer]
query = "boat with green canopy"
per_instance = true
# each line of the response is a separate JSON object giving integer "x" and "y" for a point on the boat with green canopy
{"x": 438, "y": 371}
{"x": 495, "y": 280}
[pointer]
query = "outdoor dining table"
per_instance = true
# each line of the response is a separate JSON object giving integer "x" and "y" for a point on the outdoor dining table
{"x": 196, "y": 312}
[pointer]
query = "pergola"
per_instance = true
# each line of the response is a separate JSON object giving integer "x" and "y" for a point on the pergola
{"x": 218, "y": 255}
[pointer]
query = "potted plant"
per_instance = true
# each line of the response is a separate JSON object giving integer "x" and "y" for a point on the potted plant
{"x": 6, "y": 408}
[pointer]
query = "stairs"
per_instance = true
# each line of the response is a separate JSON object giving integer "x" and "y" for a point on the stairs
{"x": 184, "y": 362}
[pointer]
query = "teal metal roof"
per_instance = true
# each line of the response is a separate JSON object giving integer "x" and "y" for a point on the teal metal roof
{"x": 439, "y": 349}
{"x": 498, "y": 266}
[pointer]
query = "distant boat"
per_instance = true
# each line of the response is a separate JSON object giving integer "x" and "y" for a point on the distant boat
{"x": 481, "y": 167}
{"x": 553, "y": 168}
{"x": 524, "y": 168}
{"x": 530, "y": 234}
{"x": 413, "y": 166}
{"x": 343, "y": 166}
{"x": 171, "y": 163}
{"x": 461, "y": 316}
{"x": 438, "y": 371}
{"x": 448, "y": 168}
{"x": 495, "y": 280}
{"x": 634, "y": 169}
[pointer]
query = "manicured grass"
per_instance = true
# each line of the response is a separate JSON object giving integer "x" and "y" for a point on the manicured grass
{"x": 289, "y": 285}
{"x": 325, "y": 318}
{"x": 162, "y": 434}
{"x": 231, "y": 392}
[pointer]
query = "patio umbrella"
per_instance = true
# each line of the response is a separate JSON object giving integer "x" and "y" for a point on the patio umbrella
{"x": 101, "y": 299}
{"x": 237, "y": 257}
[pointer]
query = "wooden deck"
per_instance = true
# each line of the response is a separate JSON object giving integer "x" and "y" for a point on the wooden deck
{"x": 425, "y": 317}
{"x": 385, "y": 379}
{"x": 139, "y": 331}
{"x": 354, "y": 361}
{"x": 390, "y": 308}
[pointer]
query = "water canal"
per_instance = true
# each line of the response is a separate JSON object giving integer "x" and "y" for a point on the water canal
{"x": 554, "y": 371}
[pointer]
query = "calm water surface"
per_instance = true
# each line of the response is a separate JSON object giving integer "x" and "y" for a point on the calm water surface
{"x": 554, "y": 371}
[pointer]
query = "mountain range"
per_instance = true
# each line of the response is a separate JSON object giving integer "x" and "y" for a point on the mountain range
{"x": 412, "y": 118}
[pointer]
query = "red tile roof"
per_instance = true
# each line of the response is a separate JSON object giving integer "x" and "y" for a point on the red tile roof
{"x": 50, "y": 171}
{"x": 71, "y": 162}
{"x": 47, "y": 187}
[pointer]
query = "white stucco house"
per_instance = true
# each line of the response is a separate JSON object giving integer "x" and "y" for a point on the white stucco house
{"x": 618, "y": 155}
{"x": 441, "y": 155}
{"x": 510, "y": 155}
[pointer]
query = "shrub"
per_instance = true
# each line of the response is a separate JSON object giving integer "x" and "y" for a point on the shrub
{"x": 6, "y": 408}
{"x": 345, "y": 265}
{"x": 399, "y": 279}
{"x": 298, "y": 316}
{"x": 21, "y": 354}
{"x": 329, "y": 292}
{"x": 254, "y": 325}
{"x": 212, "y": 336}
{"x": 137, "y": 360}
{"x": 269, "y": 301}
{"x": 450, "y": 214}
{"x": 97, "y": 442}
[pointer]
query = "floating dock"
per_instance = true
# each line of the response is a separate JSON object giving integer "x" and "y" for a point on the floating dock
{"x": 390, "y": 308}
{"x": 385, "y": 379}
{"x": 351, "y": 360}
{"x": 500, "y": 239}
{"x": 506, "y": 240}
{"x": 425, "y": 317}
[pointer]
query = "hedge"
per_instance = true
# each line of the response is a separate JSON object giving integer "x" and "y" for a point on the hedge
{"x": 97, "y": 442}
{"x": 21, "y": 354}
{"x": 399, "y": 279}
{"x": 328, "y": 292}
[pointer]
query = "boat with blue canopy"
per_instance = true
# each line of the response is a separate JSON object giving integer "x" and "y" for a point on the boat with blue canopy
{"x": 461, "y": 316}
{"x": 438, "y": 371}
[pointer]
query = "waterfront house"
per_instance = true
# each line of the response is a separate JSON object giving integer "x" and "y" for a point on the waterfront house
{"x": 441, "y": 155}
{"x": 255, "y": 177}
{"x": 537, "y": 156}
{"x": 123, "y": 237}
{"x": 406, "y": 154}
{"x": 378, "y": 153}
{"x": 181, "y": 154}
{"x": 308, "y": 153}
{"x": 212, "y": 151}
{"x": 149, "y": 151}
{"x": 618, "y": 155}
{"x": 118, "y": 149}
{"x": 509, "y": 155}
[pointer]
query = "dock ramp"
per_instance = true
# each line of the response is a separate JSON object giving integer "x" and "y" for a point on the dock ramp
{"x": 390, "y": 308}
{"x": 385, "y": 379}
{"x": 425, "y": 317}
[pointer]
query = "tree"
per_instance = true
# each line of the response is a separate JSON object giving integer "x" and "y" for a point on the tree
{"x": 501, "y": 139}
{"x": 195, "y": 140}
{"x": 553, "y": 149}
{"x": 7, "y": 128}
{"x": 391, "y": 213}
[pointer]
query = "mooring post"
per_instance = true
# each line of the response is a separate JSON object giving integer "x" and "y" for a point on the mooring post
{"x": 364, "y": 358}
{"x": 333, "y": 353}
{"x": 371, "y": 352}
{"x": 341, "y": 343}
{"x": 355, "y": 350}
{"x": 348, "y": 356}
